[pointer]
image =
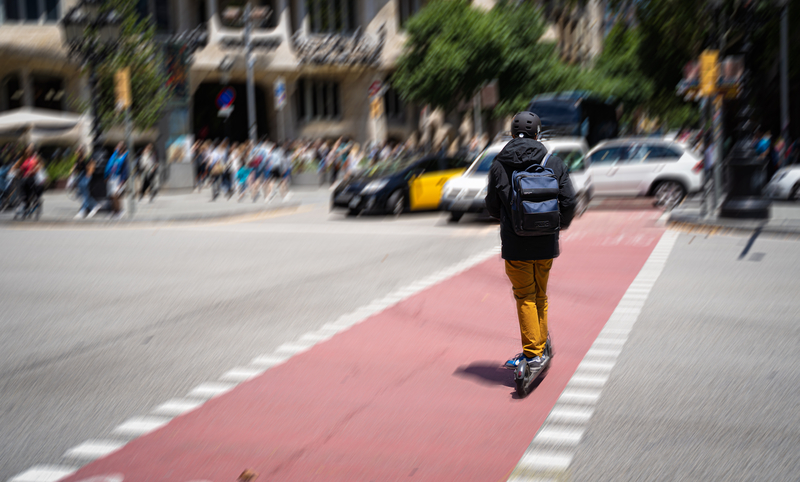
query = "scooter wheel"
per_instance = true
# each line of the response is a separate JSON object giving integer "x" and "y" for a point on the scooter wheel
{"x": 521, "y": 378}
{"x": 520, "y": 384}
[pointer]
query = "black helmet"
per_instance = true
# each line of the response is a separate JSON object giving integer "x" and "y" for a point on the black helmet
{"x": 526, "y": 124}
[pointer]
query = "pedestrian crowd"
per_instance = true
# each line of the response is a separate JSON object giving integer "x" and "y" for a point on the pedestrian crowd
{"x": 263, "y": 170}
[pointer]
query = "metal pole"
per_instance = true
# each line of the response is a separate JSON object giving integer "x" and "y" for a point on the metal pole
{"x": 95, "y": 107}
{"x": 248, "y": 58}
{"x": 704, "y": 123}
{"x": 785, "y": 75}
{"x": 131, "y": 161}
{"x": 717, "y": 167}
{"x": 281, "y": 127}
{"x": 476, "y": 105}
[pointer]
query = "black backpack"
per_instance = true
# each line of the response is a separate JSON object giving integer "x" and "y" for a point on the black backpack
{"x": 534, "y": 201}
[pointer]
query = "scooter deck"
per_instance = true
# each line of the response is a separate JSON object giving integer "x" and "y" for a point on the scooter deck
{"x": 526, "y": 378}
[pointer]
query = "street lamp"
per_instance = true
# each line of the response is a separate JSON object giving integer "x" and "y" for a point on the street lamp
{"x": 90, "y": 34}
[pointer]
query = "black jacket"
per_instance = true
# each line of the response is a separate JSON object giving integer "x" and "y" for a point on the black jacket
{"x": 517, "y": 155}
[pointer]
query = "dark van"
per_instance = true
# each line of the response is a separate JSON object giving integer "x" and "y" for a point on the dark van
{"x": 576, "y": 114}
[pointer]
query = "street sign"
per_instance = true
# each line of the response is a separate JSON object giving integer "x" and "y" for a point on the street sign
{"x": 225, "y": 111}
{"x": 375, "y": 88}
{"x": 709, "y": 72}
{"x": 122, "y": 88}
{"x": 226, "y": 97}
{"x": 280, "y": 93}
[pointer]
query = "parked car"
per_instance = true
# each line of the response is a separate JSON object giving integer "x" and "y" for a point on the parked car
{"x": 645, "y": 167}
{"x": 465, "y": 194}
{"x": 398, "y": 185}
{"x": 785, "y": 184}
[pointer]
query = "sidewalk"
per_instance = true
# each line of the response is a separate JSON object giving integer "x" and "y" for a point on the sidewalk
{"x": 784, "y": 219}
{"x": 170, "y": 206}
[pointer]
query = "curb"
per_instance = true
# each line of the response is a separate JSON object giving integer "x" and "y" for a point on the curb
{"x": 185, "y": 218}
{"x": 695, "y": 223}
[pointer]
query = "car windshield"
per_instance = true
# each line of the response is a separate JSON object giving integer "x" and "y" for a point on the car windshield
{"x": 483, "y": 163}
{"x": 555, "y": 113}
{"x": 389, "y": 167}
{"x": 572, "y": 158}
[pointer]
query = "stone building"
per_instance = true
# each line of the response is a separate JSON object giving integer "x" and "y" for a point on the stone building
{"x": 328, "y": 52}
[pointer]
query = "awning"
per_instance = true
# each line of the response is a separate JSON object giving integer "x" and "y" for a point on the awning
{"x": 43, "y": 126}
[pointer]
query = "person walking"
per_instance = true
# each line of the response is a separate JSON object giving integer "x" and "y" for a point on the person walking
{"x": 528, "y": 259}
{"x": 90, "y": 206}
{"x": 116, "y": 175}
{"x": 148, "y": 167}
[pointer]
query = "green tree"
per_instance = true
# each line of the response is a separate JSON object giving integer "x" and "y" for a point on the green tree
{"x": 138, "y": 50}
{"x": 451, "y": 52}
{"x": 453, "y": 49}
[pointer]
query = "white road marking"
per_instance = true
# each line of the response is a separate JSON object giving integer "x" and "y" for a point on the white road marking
{"x": 210, "y": 390}
{"x": 559, "y": 435}
{"x": 293, "y": 348}
{"x": 595, "y": 366}
{"x": 178, "y": 406}
{"x": 44, "y": 473}
{"x": 94, "y": 449}
{"x": 587, "y": 397}
{"x": 539, "y": 460}
{"x": 200, "y": 394}
{"x": 599, "y": 352}
{"x": 269, "y": 361}
{"x": 570, "y": 414}
{"x": 241, "y": 374}
{"x": 573, "y": 407}
{"x": 587, "y": 381}
{"x": 138, "y": 426}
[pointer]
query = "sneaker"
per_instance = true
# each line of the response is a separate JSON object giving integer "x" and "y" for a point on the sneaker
{"x": 93, "y": 211}
{"x": 536, "y": 362}
{"x": 81, "y": 214}
{"x": 514, "y": 362}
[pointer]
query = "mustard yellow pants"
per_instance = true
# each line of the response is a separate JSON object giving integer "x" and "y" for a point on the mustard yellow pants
{"x": 529, "y": 283}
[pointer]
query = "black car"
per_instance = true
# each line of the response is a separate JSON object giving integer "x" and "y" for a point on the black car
{"x": 397, "y": 185}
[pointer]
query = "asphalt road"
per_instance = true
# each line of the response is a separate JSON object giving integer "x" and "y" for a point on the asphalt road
{"x": 707, "y": 386}
{"x": 100, "y": 324}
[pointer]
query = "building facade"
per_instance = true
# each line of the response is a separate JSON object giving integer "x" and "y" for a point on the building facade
{"x": 328, "y": 53}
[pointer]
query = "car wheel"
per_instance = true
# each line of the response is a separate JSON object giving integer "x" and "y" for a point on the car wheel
{"x": 396, "y": 203}
{"x": 455, "y": 216}
{"x": 794, "y": 195}
{"x": 353, "y": 212}
{"x": 669, "y": 194}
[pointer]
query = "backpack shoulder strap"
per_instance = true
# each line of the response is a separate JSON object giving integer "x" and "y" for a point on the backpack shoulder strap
{"x": 546, "y": 158}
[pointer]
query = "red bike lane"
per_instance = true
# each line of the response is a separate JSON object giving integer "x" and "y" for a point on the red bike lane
{"x": 414, "y": 392}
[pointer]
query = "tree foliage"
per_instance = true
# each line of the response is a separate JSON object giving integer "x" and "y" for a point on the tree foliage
{"x": 454, "y": 48}
{"x": 138, "y": 50}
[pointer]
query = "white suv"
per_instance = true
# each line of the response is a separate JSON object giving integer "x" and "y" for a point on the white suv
{"x": 466, "y": 193}
{"x": 645, "y": 167}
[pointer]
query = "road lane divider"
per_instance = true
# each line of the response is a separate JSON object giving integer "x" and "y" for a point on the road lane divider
{"x": 160, "y": 416}
{"x": 551, "y": 452}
